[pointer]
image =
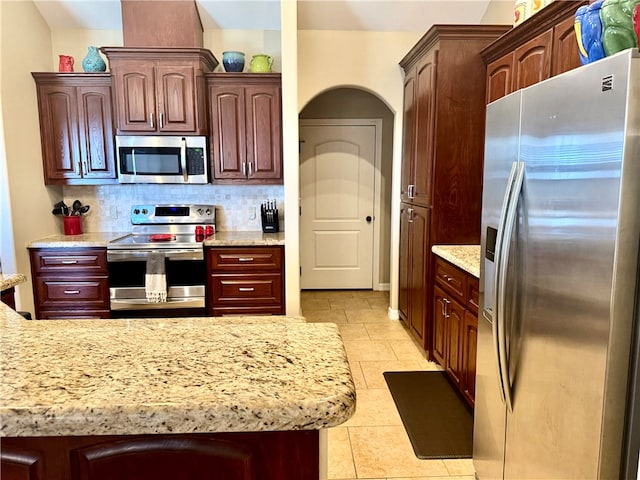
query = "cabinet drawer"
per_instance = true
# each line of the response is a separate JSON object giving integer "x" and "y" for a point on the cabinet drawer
{"x": 69, "y": 261}
{"x": 246, "y": 259}
{"x": 452, "y": 279}
{"x": 73, "y": 314}
{"x": 89, "y": 293}
{"x": 473, "y": 294}
{"x": 263, "y": 289}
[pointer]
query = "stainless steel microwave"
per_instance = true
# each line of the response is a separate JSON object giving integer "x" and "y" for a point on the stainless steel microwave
{"x": 166, "y": 159}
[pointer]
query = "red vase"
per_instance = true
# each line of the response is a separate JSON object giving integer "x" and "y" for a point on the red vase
{"x": 66, "y": 63}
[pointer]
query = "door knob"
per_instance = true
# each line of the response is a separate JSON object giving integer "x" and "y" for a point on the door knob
{"x": 368, "y": 219}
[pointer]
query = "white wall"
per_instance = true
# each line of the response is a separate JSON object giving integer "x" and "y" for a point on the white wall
{"x": 25, "y": 48}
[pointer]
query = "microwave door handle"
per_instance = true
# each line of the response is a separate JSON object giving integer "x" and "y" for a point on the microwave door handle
{"x": 183, "y": 159}
{"x": 133, "y": 162}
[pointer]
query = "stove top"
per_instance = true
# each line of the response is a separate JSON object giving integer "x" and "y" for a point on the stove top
{"x": 168, "y": 227}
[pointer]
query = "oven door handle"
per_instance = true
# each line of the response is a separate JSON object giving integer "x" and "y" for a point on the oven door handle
{"x": 141, "y": 255}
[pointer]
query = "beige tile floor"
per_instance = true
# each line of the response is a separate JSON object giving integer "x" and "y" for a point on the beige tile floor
{"x": 373, "y": 444}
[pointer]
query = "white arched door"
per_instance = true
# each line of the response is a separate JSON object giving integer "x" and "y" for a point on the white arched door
{"x": 337, "y": 197}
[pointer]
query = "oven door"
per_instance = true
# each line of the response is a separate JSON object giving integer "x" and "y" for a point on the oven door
{"x": 161, "y": 159}
{"x": 185, "y": 276}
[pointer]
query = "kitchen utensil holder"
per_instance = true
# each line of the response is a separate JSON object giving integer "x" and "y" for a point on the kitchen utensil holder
{"x": 72, "y": 224}
{"x": 269, "y": 217}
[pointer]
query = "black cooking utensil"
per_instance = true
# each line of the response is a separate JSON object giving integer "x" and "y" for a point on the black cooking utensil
{"x": 84, "y": 209}
{"x": 75, "y": 208}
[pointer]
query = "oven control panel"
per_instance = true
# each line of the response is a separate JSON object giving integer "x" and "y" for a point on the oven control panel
{"x": 173, "y": 214}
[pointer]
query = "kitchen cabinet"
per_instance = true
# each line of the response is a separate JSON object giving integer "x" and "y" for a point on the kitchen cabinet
{"x": 160, "y": 90}
{"x": 247, "y": 280}
{"x": 455, "y": 325}
{"x": 539, "y": 48}
{"x": 442, "y": 156}
{"x": 414, "y": 234}
{"x": 246, "y": 128}
{"x": 76, "y": 128}
{"x": 287, "y": 455}
{"x": 70, "y": 283}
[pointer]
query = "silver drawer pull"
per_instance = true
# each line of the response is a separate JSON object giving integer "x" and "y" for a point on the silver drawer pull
{"x": 246, "y": 289}
{"x": 245, "y": 259}
{"x": 69, "y": 262}
{"x": 71, "y": 292}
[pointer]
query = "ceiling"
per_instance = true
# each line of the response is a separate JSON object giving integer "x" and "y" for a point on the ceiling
{"x": 372, "y": 15}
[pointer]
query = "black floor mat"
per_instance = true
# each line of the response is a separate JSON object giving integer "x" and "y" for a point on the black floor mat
{"x": 438, "y": 421}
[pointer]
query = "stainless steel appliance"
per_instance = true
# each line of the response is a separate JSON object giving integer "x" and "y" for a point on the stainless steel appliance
{"x": 166, "y": 159}
{"x": 559, "y": 278}
{"x": 176, "y": 231}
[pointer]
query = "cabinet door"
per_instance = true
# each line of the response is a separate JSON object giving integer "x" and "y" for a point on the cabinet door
{"x": 408, "y": 135}
{"x": 228, "y": 132}
{"x": 404, "y": 262}
{"x": 425, "y": 127}
{"x": 439, "y": 343}
{"x": 453, "y": 335}
{"x": 175, "y": 97}
{"x": 499, "y": 78}
{"x": 164, "y": 458}
{"x": 96, "y": 132}
{"x": 21, "y": 464}
{"x": 565, "y": 47}
{"x": 134, "y": 89}
{"x": 418, "y": 261}
{"x": 532, "y": 61}
{"x": 264, "y": 132}
{"x": 469, "y": 343}
{"x": 58, "y": 109}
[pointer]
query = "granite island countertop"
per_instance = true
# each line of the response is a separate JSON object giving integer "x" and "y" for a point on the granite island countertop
{"x": 102, "y": 239}
{"x": 148, "y": 376}
{"x": 466, "y": 257}
{"x": 10, "y": 280}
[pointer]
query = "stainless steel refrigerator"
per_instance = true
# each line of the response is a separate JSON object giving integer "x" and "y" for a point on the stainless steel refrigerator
{"x": 559, "y": 278}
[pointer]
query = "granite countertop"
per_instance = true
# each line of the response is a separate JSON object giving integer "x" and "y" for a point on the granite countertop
{"x": 467, "y": 257}
{"x": 10, "y": 280}
{"x": 102, "y": 239}
{"x": 145, "y": 376}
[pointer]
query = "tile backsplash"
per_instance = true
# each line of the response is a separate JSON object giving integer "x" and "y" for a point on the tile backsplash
{"x": 237, "y": 207}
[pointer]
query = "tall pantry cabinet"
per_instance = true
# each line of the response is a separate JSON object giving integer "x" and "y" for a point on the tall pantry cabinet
{"x": 442, "y": 158}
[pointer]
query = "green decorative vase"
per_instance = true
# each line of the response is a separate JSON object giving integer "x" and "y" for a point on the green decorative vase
{"x": 93, "y": 62}
{"x": 617, "y": 25}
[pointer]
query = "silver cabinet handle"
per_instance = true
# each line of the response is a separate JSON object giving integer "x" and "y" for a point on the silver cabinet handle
{"x": 69, "y": 262}
{"x": 244, "y": 169}
{"x": 71, "y": 292}
{"x": 250, "y": 169}
{"x": 151, "y": 122}
{"x": 161, "y": 120}
{"x": 410, "y": 212}
{"x": 246, "y": 289}
{"x": 245, "y": 259}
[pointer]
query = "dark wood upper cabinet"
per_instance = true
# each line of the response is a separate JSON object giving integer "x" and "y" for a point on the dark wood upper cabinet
{"x": 76, "y": 128}
{"x": 539, "y": 48}
{"x": 160, "y": 90}
{"x": 246, "y": 128}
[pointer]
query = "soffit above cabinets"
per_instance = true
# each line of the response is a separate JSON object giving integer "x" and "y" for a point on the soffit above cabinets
{"x": 367, "y": 15}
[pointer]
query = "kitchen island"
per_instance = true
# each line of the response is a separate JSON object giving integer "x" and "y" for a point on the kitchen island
{"x": 154, "y": 398}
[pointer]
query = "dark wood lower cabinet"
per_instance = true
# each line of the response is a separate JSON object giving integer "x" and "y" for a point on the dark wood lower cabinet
{"x": 291, "y": 455}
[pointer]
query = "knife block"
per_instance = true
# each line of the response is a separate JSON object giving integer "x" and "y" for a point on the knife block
{"x": 269, "y": 218}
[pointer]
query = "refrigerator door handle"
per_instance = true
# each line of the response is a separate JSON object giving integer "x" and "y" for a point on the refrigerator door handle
{"x": 497, "y": 273}
{"x": 510, "y": 221}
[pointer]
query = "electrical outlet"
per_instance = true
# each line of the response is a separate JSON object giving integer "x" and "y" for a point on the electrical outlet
{"x": 252, "y": 213}
{"x": 114, "y": 212}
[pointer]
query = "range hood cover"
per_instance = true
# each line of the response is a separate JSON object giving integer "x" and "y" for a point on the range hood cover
{"x": 161, "y": 23}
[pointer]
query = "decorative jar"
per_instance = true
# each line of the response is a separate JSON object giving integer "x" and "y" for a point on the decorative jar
{"x": 261, "y": 63}
{"x": 93, "y": 62}
{"x": 233, "y": 61}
